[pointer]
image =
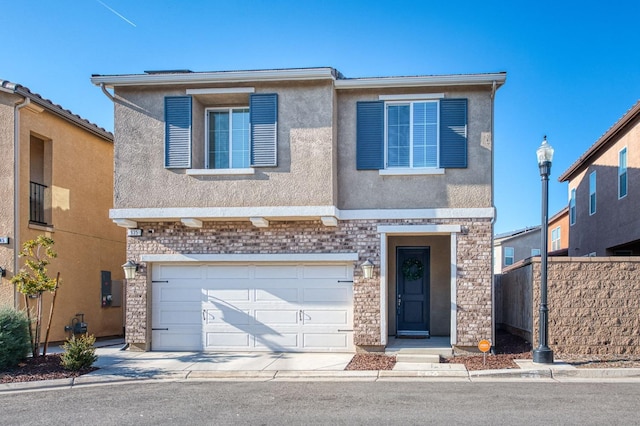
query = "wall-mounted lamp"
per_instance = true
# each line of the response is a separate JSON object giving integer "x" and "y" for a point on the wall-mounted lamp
{"x": 130, "y": 269}
{"x": 367, "y": 269}
{"x": 3, "y": 272}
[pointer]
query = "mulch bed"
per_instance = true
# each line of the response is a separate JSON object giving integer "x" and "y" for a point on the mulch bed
{"x": 40, "y": 368}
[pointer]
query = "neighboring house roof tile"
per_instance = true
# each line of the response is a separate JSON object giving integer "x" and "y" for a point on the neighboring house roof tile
{"x": 613, "y": 131}
{"x": 511, "y": 234}
{"x": 56, "y": 109}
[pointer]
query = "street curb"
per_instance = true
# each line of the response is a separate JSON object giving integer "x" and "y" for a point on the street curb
{"x": 542, "y": 373}
{"x": 598, "y": 373}
{"x": 36, "y": 385}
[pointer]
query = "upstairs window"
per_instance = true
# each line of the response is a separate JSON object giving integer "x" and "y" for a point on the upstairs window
{"x": 555, "y": 239}
{"x": 228, "y": 138}
{"x": 535, "y": 252}
{"x": 622, "y": 173}
{"x": 508, "y": 256}
{"x": 412, "y": 134}
{"x": 234, "y": 137}
{"x": 592, "y": 193}
{"x": 416, "y": 134}
{"x": 572, "y": 207}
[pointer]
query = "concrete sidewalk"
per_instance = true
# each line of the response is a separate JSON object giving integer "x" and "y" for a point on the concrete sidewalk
{"x": 117, "y": 366}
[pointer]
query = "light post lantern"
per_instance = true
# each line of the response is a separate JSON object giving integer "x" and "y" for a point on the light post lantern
{"x": 543, "y": 354}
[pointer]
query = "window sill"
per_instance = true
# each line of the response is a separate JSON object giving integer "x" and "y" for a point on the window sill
{"x": 410, "y": 172}
{"x": 220, "y": 172}
{"x": 46, "y": 228}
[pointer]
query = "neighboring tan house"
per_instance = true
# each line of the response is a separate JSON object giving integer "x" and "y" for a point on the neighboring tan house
{"x": 57, "y": 179}
{"x": 514, "y": 246}
{"x": 603, "y": 193}
{"x": 558, "y": 233}
{"x": 253, "y": 198}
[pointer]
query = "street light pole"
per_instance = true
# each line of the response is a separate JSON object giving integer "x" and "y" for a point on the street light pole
{"x": 543, "y": 354}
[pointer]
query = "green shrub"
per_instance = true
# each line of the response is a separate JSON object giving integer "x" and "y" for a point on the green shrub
{"x": 15, "y": 342}
{"x": 79, "y": 352}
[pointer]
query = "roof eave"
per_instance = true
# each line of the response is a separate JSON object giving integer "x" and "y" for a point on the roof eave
{"x": 618, "y": 127}
{"x": 112, "y": 81}
{"x": 416, "y": 81}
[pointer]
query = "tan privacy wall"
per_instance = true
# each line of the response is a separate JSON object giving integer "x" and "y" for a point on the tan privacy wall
{"x": 594, "y": 303}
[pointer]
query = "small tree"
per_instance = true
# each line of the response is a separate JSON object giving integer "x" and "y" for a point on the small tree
{"x": 32, "y": 281}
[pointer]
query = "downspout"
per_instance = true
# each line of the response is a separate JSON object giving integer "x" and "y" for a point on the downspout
{"x": 16, "y": 192}
{"x": 493, "y": 221}
{"x": 109, "y": 95}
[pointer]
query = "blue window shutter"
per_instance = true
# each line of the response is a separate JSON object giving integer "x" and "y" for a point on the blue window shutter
{"x": 263, "y": 110}
{"x": 177, "y": 118}
{"x": 370, "y": 135}
{"x": 453, "y": 133}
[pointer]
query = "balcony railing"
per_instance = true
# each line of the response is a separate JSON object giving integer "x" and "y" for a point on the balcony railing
{"x": 37, "y": 203}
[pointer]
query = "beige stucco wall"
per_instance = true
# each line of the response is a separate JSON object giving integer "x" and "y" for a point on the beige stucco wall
{"x": 469, "y": 187}
{"x": 7, "y": 258}
{"x": 306, "y": 152}
{"x": 440, "y": 281}
{"x": 86, "y": 240}
{"x": 616, "y": 220}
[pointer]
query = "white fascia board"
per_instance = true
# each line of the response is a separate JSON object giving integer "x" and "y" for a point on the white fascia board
{"x": 256, "y": 257}
{"x": 111, "y": 81}
{"x": 221, "y": 91}
{"x": 418, "y": 229}
{"x": 444, "y": 213}
{"x": 223, "y": 212}
{"x": 431, "y": 80}
{"x": 304, "y": 212}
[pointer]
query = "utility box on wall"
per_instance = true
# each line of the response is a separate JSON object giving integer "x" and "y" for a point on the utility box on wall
{"x": 107, "y": 295}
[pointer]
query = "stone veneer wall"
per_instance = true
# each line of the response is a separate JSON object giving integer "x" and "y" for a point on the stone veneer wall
{"x": 594, "y": 304}
{"x": 360, "y": 236}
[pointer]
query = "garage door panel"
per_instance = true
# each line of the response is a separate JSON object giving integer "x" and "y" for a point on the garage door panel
{"x": 276, "y": 317}
{"x": 325, "y": 271}
{"x": 231, "y": 316}
{"x": 326, "y": 295}
{"x": 320, "y": 317}
{"x": 325, "y": 341}
{"x": 179, "y": 316}
{"x": 166, "y": 272}
{"x": 227, "y": 272}
{"x": 230, "y": 295}
{"x": 179, "y": 339}
{"x": 277, "y": 294}
{"x": 228, "y": 339}
{"x": 177, "y": 294}
{"x": 276, "y": 342}
{"x": 281, "y": 272}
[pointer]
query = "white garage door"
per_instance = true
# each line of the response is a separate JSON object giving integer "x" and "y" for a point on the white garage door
{"x": 253, "y": 307}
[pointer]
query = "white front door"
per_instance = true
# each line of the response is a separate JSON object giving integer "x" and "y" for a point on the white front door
{"x": 253, "y": 307}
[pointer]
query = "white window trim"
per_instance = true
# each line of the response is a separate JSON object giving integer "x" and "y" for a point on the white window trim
{"x": 221, "y": 91}
{"x": 556, "y": 243}
{"x": 626, "y": 157}
{"x": 220, "y": 172}
{"x": 513, "y": 256}
{"x": 402, "y": 171}
{"x": 207, "y": 142}
{"x": 593, "y": 192}
{"x": 386, "y": 142}
{"x": 535, "y": 254}
{"x": 417, "y": 97}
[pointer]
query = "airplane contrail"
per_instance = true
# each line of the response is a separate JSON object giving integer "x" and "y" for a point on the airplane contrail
{"x": 116, "y": 13}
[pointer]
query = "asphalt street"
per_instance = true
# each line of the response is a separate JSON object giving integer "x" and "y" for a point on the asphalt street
{"x": 328, "y": 402}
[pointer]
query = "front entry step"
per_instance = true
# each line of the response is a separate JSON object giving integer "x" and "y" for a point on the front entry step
{"x": 417, "y": 358}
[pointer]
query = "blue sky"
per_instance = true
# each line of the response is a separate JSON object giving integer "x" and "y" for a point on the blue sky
{"x": 573, "y": 68}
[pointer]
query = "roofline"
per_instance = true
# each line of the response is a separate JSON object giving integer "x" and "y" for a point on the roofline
{"x": 561, "y": 212}
{"x": 428, "y": 80}
{"x": 506, "y": 235}
{"x": 156, "y": 78}
{"x": 65, "y": 114}
{"x": 325, "y": 73}
{"x": 613, "y": 131}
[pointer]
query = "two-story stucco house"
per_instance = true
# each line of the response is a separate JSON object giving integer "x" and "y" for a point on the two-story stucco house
{"x": 514, "y": 246}
{"x": 257, "y": 196}
{"x": 56, "y": 179}
{"x": 603, "y": 199}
